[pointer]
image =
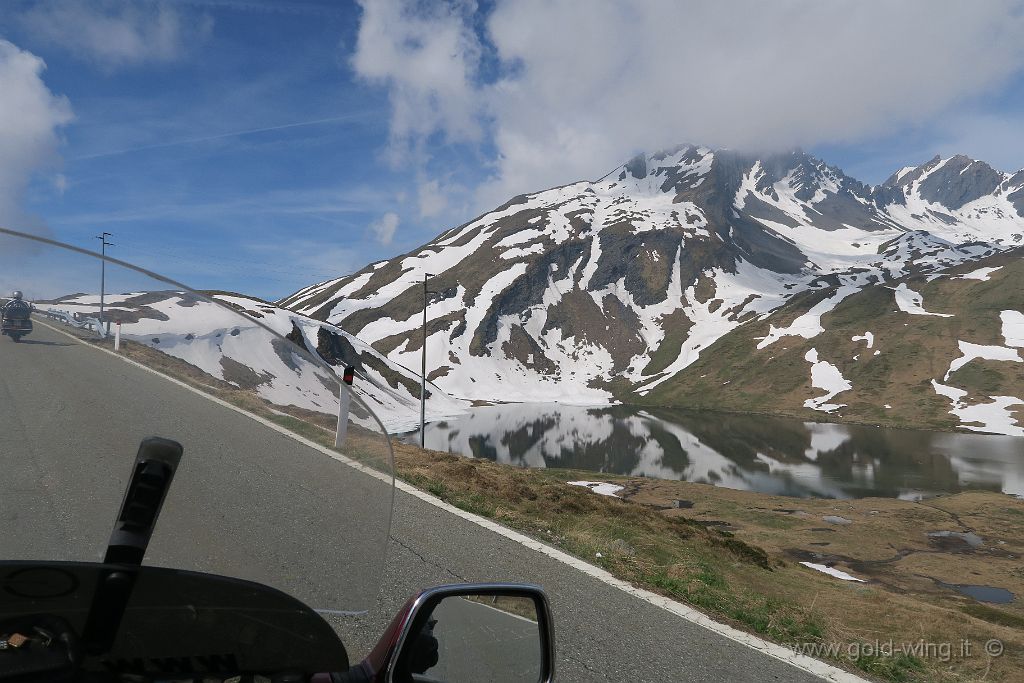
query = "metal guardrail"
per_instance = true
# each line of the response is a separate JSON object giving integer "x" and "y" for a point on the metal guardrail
{"x": 75, "y": 320}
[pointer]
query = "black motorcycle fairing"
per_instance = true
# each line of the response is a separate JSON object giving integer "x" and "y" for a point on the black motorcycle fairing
{"x": 177, "y": 624}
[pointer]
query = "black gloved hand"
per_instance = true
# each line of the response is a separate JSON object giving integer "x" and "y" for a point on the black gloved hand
{"x": 424, "y": 651}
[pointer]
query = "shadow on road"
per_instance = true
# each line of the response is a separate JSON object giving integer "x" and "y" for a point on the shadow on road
{"x": 37, "y": 342}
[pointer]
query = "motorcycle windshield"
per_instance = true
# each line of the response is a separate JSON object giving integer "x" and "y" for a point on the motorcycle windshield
{"x": 253, "y": 393}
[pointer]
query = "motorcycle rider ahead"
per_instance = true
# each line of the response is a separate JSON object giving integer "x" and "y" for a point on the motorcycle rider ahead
{"x": 15, "y": 317}
{"x": 17, "y": 308}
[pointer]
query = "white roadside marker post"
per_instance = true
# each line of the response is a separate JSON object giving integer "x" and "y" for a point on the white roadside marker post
{"x": 117, "y": 336}
{"x": 345, "y": 400}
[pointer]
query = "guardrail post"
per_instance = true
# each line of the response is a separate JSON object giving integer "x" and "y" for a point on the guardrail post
{"x": 345, "y": 399}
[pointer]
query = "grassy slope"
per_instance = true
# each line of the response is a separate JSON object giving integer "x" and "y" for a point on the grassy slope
{"x": 734, "y": 375}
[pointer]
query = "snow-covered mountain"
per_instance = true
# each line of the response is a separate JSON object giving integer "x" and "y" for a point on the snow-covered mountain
{"x": 225, "y": 346}
{"x": 940, "y": 350}
{"x": 608, "y": 289}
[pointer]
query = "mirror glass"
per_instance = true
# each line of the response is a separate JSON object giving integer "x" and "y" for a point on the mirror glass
{"x": 479, "y": 638}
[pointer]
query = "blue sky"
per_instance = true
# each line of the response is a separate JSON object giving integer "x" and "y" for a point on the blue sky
{"x": 260, "y": 146}
{"x": 249, "y": 162}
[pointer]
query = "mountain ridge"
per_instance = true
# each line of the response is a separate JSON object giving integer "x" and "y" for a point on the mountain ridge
{"x": 602, "y": 290}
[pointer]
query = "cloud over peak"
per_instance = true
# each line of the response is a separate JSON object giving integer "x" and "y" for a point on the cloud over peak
{"x": 557, "y": 91}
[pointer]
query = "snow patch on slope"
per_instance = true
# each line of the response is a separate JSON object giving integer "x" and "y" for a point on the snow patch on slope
{"x": 808, "y": 325}
{"x": 995, "y": 417}
{"x": 602, "y": 488}
{"x": 1013, "y": 327}
{"x": 866, "y": 337}
{"x": 978, "y": 351}
{"x": 979, "y": 274}
{"x": 832, "y": 571}
{"x": 911, "y": 302}
{"x": 825, "y": 376}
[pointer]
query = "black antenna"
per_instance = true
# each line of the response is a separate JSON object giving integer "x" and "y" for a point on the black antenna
{"x": 151, "y": 478}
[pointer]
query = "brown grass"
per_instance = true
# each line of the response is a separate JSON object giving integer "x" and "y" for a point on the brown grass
{"x": 746, "y": 570}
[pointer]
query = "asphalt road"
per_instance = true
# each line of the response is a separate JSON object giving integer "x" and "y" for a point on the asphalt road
{"x": 251, "y": 500}
{"x": 480, "y": 643}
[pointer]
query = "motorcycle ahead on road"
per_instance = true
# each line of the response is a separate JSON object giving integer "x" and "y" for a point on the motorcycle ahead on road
{"x": 15, "y": 320}
{"x": 199, "y": 496}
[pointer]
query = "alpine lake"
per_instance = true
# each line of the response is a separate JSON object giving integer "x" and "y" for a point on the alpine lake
{"x": 772, "y": 455}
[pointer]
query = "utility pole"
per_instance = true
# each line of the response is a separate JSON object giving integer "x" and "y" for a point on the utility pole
{"x": 423, "y": 366}
{"x": 103, "y": 268}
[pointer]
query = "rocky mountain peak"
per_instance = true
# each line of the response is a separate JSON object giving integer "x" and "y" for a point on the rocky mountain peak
{"x": 959, "y": 181}
{"x": 952, "y": 183}
{"x": 905, "y": 176}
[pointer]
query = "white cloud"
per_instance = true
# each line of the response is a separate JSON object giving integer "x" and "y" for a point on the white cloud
{"x": 116, "y": 33}
{"x": 432, "y": 199}
{"x": 581, "y": 85}
{"x": 384, "y": 229}
{"x": 30, "y": 116}
{"x": 426, "y": 55}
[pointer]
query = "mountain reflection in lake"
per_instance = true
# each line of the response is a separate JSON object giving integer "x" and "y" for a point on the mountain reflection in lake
{"x": 750, "y": 452}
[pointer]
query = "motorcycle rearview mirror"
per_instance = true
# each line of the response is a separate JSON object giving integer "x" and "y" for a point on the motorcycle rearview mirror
{"x": 466, "y": 632}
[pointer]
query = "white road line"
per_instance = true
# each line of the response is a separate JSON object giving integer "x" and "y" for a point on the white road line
{"x": 813, "y": 666}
